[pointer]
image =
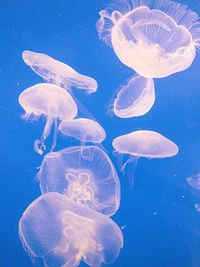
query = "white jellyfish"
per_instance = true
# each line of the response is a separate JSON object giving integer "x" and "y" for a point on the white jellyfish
{"x": 146, "y": 144}
{"x": 85, "y": 130}
{"x": 135, "y": 98}
{"x": 53, "y": 102}
{"x": 63, "y": 232}
{"x": 155, "y": 38}
{"x": 84, "y": 174}
{"x": 194, "y": 182}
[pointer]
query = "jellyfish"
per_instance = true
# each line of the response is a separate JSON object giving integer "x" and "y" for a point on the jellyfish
{"x": 146, "y": 144}
{"x": 85, "y": 130}
{"x": 135, "y": 98}
{"x": 63, "y": 232}
{"x": 194, "y": 182}
{"x": 154, "y": 38}
{"x": 54, "y": 103}
{"x": 84, "y": 174}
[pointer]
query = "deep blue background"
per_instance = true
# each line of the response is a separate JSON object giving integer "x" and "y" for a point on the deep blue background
{"x": 162, "y": 225}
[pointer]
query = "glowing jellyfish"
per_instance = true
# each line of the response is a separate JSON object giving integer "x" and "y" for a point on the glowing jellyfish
{"x": 155, "y": 38}
{"x": 134, "y": 98}
{"x": 146, "y": 144}
{"x": 63, "y": 232}
{"x": 51, "y": 101}
{"x": 85, "y": 130}
{"x": 56, "y": 72}
{"x": 84, "y": 174}
{"x": 194, "y": 182}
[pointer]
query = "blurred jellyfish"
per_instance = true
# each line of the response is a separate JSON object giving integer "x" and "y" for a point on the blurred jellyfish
{"x": 84, "y": 174}
{"x": 63, "y": 232}
{"x": 135, "y": 98}
{"x": 194, "y": 182}
{"x": 85, "y": 130}
{"x": 155, "y": 38}
{"x": 146, "y": 144}
{"x": 51, "y": 101}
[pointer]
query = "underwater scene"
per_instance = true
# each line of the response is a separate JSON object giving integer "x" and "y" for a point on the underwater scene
{"x": 100, "y": 133}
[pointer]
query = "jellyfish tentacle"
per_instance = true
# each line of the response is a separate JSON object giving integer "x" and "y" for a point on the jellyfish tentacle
{"x": 55, "y": 122}
{"x": 130, "y": 170}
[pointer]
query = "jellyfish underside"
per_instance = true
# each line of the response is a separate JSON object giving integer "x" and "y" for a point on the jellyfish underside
{"x": 151, "y": 43}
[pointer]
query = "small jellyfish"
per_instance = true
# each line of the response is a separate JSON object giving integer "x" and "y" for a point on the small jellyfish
{"x": 58, "y": 73}
{"x": 85, "y": 130}
{"x": 146, "y": 144}
{"x": 63, "y": 232}
{"x": 135, "y": 98}
{"x": 84, "y": 174}
{"x": 154, "y": 38}
{"x": 194, "y": 182}
{"x": 51, "y": 101}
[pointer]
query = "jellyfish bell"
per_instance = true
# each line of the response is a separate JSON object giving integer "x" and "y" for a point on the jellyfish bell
{"x": 85, "y": 130}
{"x": 56, "y": 72}
{"x": 135, "y": 98}
{"x": 142, "y": 143}
{"x": 51, "y": 101}
{"x": 155, "y": 38}
{"x": 194, "y": 182}
{"x": 84, "y": 174}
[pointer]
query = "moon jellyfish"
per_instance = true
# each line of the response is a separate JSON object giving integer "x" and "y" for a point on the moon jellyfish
{"x": 51, "y": 101}
{"x": 84, "y": 174}
{"x": 85, "y": 130}
{"x": 155, "y": 38}
{"x": 194, "y": 182}
{"x": 63, "y": 232}
{"x": 56, "y": 72}
{"x": 134, "y": 98}
{"x": 146, "y": 144}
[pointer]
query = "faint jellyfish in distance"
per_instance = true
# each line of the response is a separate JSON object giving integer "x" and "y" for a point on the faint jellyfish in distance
{"x": 154, "y": 38}
{"x": 63, "y": 232}
{"x": 139, "y": 144}
{"x": 51, "y": 101}
{"x": 84, "y": 174}
{"x": 194, "y": 182}
{"x": 135, "y": 98}
{"x": 85, "y": 130}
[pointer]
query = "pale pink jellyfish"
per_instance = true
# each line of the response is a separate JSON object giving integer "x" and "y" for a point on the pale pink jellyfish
{"x": 85, "y": 130}
{"x": 146, "y": 144}
{"x": 135, "y": 98}
{"x": 194, "y": 182}
{"x": 63, "y": 232}
{"x": 154, "y": 38}
{"x": 83, "y": 173}
{"x": 51, "y": 101}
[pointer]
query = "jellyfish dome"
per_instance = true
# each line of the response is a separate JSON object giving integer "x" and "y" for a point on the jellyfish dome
{"x": 155, "y": 38}
{"x": 51, "y": 101}
{"x": 63, "y": 232}
{"x": 84, "y": 174}
{"x": 85, "y": 130}
{"x": 56, "y": 72}
{"x": 135, "y": 98}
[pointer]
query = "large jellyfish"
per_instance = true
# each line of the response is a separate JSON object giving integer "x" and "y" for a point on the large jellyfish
{"x": 146, "y": 144}
{"x": 135, "y": 98}
{"x": 51, "y": 101}
{"x": 155, "y": 38}
{"x": 56, "y": 72}
{"x": 84, "y": 174}
{"x": 63, "y": 232}
{"x": 85, "y": 130}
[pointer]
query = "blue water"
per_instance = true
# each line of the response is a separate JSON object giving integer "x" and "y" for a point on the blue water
{"x": 162, "y": 227}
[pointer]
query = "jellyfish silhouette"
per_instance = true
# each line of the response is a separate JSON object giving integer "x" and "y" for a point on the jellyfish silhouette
{"x": 135, "y": 98}
{"x": 194, "y": 182}
{"x": 63, "y": 232}
{"x": 146, "y": 144}
{"x": 84, "y": 174}
{"x": 155, "y": 38}
{"x": 85, "y": 130}
{"x": 51, "y": 101}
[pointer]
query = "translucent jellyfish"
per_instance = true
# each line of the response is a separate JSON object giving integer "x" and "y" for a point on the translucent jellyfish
{"x": 85, "y": 130}
{"x": 135, "y": 98}
{"x": 56, "y": 72}
{"x": 155, "y": 38}
{"x": 51, "y": 101}
{"x": 84, "y": 174}
{"x": 146, "y": 144}
{"x": 194, "y": 182}
{"x": 62, "y": 233}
